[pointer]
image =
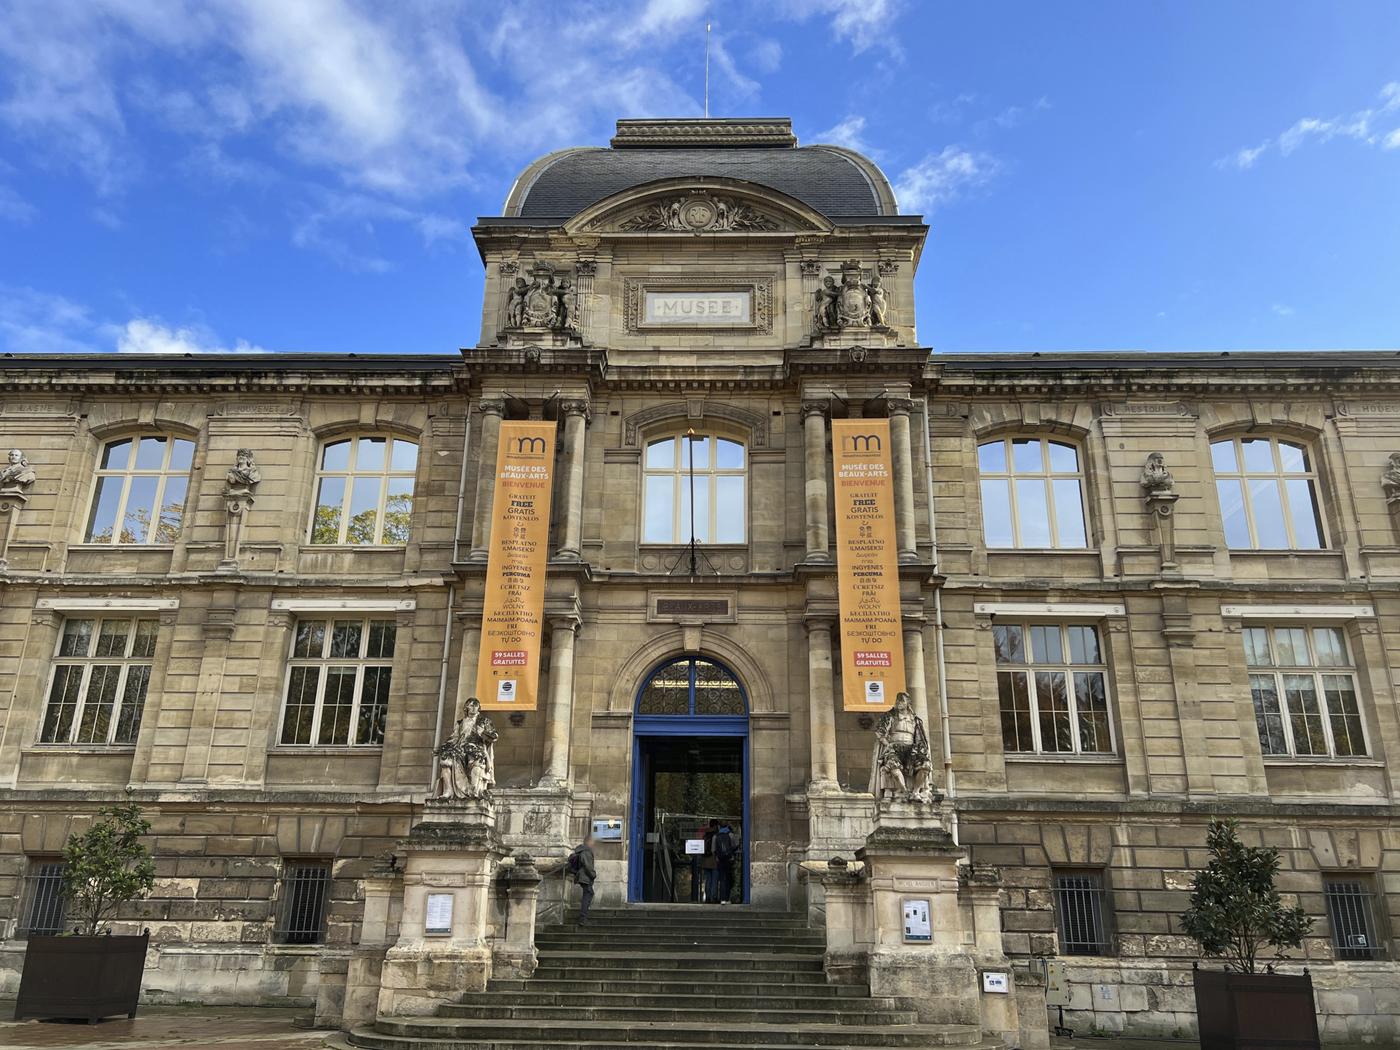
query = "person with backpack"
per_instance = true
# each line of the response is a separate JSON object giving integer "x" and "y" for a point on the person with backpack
{"x": 709, "y": 863}
{"x": 725, "y": 852}
{"x": 580, "y": 868}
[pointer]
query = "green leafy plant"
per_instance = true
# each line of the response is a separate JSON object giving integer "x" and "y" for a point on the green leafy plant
{"x": 1235, "y": 911}
{"x": 107, "y": 865}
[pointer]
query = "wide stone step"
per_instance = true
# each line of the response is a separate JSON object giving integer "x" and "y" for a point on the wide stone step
{"x": 645, "y": 978}
{"x": 858, "y": 1012}
{"x": 370, "y": 1040}
{"x": 683, "y": 945}
{"x": 585, "y": 991}
{"x": 710, "y": 962}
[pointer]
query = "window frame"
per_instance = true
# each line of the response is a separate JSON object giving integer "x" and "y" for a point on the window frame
{"x": 1366, "y": 898}
{"x": 1279, "y": 477}
{"x": 34, "y": 876}
{"x": 349, "y": 476}
{"x": 1028, "y": 667}
{"x": 324, "y": 663}
{"x": 1048, "y": 476}
{"x": 126, "y": 660}
{"x": 1317, "y": 671}
{"x": 710, "y": 476}
{"x": 128, "y": 474}
{"x": 1101, "y": 898}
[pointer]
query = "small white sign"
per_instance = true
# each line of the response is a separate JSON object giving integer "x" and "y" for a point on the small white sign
{"x": 875, "y": 691}
{"x": 505, "y": 691}
{"x": 916, "y": 920}
{"x": 438, "y": 921}
{"x": 722, "y": 309}
{"x": 694, "y": 847}
{"x": 609, "y": 829}
{"x": 996, "y": 983}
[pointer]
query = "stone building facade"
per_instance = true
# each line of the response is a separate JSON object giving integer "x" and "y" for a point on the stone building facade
{"x": 1108, "y": 648}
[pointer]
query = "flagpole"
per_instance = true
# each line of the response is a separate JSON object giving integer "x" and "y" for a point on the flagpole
{"x": 707, "y": 69}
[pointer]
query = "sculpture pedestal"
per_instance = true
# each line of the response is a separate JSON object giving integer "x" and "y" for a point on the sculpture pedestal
{"x": 452, "y": 854}
{"x": 12, "y": 501}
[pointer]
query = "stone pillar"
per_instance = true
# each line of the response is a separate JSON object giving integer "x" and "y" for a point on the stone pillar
{"x": 516, "y": 955}
{"x": 899, "y": 409}
{"x": 366, "y": 965}
{"x": 237, "y": 502}
{"x": 814, "y": 446}
{"x": 915, "y": 680}
{"x": 560, "y": 710}
{"x": 491, "y": 412}
{"x": 821, "y": 705}
{"x": 575, "y": 427}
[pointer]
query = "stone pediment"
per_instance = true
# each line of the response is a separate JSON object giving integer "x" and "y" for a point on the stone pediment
{"x": 694, "y": 207}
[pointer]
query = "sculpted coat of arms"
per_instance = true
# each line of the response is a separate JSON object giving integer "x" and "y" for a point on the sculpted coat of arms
{"x": 854, "y": 303}
{"x": 701, "y": 213}
{"x": 540, "y": 301}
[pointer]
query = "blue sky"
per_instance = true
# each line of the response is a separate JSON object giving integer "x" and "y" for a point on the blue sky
{"x": 303, "y": 174}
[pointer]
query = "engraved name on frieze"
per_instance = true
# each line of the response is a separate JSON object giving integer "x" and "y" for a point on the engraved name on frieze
{"x": 1379, "y": 409}
{"x": 1146, "y": 408}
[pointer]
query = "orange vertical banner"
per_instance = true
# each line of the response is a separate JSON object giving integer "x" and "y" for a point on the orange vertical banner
{"x": 508, "y": 669}
{"x": 867, "y": 564}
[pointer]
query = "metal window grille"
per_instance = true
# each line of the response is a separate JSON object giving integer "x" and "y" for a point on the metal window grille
{"x": 46, "y": 905}
{"x": 305, "y": 888}
{"x": 1350, "y": 907}
{"x": 1080, "y": 902}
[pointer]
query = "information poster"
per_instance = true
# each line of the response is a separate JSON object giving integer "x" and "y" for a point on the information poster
{"x": 867, "y": 564}
{"x": 508, "y": 670}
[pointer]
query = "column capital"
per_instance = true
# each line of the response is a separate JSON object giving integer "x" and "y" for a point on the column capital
{"x": 564, "y": 623}
{"x": 819, "y": 623}
{"x": 816, "y": 408}
{"x": 492, "y": 406}
{"x": 899, "y": 406}
{"x": 575, "y": 407}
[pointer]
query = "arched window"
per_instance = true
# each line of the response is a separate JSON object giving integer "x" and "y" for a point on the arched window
{"x": 1032, "y": 493}
{"x": 139, "y": 494}
{"x": 364, "y": 490}
{"x": 1268, "y": 494}
{"x": 720, "y": 472}
{"x": 691, "y": 686}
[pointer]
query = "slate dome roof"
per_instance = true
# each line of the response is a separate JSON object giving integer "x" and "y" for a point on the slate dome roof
{"x": 839, "y": 183}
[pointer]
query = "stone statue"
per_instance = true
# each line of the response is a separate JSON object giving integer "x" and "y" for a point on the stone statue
{"x": 244, "y": 474}
{"x": 1390, "y": 480}
{"x": 901, "y": 769}
{"x": 18, "y": 475}
{"x": 560, "y": 316}
{"x": 1156, "y": 478}
{"x": 827, "y": 295}
{"x": 468, "y": 766}
{"x": 542, "y": 301}
{"x": 515, "y": 303}
{"x": 879, "y": 308}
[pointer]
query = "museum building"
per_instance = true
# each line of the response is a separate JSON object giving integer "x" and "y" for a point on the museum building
{"x": 1135, "y": 591}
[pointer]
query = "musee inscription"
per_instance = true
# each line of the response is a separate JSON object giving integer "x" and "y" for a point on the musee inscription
{"x": 724, "y": 309}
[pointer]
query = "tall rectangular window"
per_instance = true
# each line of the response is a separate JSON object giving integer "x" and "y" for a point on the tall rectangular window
{"x": 1351, "y": 911}
{"x": 305, "y": 893}
{"x": 139, "y": 492}
{"x": 1268, "y": 494}
{"x": 338, "y": 683}
{"x": 101, "y": 673}
{"x": 1303, "y": 685}
{"x": 1032, "y": 493}
{"x": 1052, "y": 688}
{"x": 43, "y": 906}
{"x": 1082, "y": 911}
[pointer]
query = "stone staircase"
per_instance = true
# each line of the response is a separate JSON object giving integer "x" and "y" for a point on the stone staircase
{"x": 671, "y": 978}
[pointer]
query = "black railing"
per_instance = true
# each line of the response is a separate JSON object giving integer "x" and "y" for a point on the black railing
{"x": 1350, "y": 907}
{"x": 1080, "y": 901}
{"x": 304, "y": 892}
{"x": 44, "y": 902}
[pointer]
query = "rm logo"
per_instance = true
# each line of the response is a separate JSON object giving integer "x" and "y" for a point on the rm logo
{"x": 862, "y": 443}
{"x": 529, "y": 444}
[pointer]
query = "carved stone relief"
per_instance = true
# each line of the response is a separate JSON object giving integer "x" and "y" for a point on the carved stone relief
{"x": 853, "y": 303}
{"x": 695, "y": 213}
{"x": 543, "y": 300}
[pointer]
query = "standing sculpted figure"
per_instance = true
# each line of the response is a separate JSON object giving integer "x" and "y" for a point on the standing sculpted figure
{"x": 827, "y": 295}
{"x": 515, "y": 303}
{"x": 879, "y": 308}
{"x": 901, "y": 769}
{"x": 17, "y": 475}
{"x": 468, "y": 766}
{"x": 1390, "y": 480}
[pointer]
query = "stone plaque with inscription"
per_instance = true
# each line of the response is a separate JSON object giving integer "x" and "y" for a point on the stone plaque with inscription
{"x": 698, "y": 308}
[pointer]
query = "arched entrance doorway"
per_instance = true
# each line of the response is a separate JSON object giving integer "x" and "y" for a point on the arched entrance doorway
{"x": 690, "y": 765}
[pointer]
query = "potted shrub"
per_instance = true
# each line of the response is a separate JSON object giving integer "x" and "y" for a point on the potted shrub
{"x": 89, "y": 973}
{"x": 1235, "y": 915}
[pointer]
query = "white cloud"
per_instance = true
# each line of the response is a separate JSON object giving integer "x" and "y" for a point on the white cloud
{"x": 1282, "y": 309}
{"x": 141, "y": 335}
{"x": 848, "y": 133}
{"x": 942, "y": 177}
{"x": 861, "y": 23}
{"x": 35, "y": 322}
{"x": 1243, "y": 158}
{"x": 14, "y": 208}
{"x": 1359, "y": 127}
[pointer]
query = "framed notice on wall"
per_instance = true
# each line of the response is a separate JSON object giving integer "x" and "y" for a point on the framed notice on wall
{"x": 867, "y": 565}
{"x": 437, "y": 918}
{"x": 508, "y": 669}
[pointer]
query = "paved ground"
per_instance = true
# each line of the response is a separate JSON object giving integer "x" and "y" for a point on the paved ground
{"x": 248, "y": 1028}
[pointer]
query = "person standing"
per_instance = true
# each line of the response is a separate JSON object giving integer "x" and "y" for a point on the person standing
{"x": 725, "y": 849}
{"x": 584, "y": 871}
{"x": 710, "y": 863}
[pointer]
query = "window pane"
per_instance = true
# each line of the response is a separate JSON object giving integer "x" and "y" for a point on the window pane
{"x": 145, "y": 642}
{"x": 381, "y": 639}
{"x": 1083, "y": 644}
{"x": 662, "y": 454}
{"x": 111, "y": 638}
{"x": 172, "y": 509}
{"x": 310, "y": 639}
{"x": 991, "y": 457}
{"x": 325, "y": 526}
{"x": 1267, "y": 716}
{"x": 1091, "y": 699}
{"x": 104, "y": 510}
{"x": 374, "y": 706}
{"x": 336, "y": 456}
{"x": 77, "y": 636}
{"x": 702, "y": 511}
{"x": 729, "y": 509}
{"x": 1330, "y": 646}
{"x": 659, "y": 526}
{"x": 398, "y": 510}
{"x": 404, "y": 457}
{"x": 150, "y": 453}
{"x": 1347, "y": 736}
{"x": 1010, "y": 644}
{"x": 1026, "y": 456}
{"x": 63, "y": 702}
{"x": 364, "y": 509}
{"x": 1016, "y": 732}
{"x": 301, "y": 705}
{"x": 1032, "y": 515}
{"x": 1055, "y": 731}
{"x": 696, "y": 446}
{"x": 140, "y": 508}
{"x": 729, "y": 455}
{"x": 667, "y": 692}
{"x": 1064, "y": 459}
{"x": 345, "y": 638}
{"x": 1292, "y": 458}
{"x": 1222, "y": 457}
{"x": 1266, "y": 502}
{"x": 1045, "y": 644}
{"x": 1291, "y": 644}
{"x": 138, "y": 678}
{"x": 716, "y": 691}
{"x": 369, "y": 453}
{"x": 1304, "y": 714}
{"x": 1256, "y": 647}
{"x": 1303, "y": 513}
{"x": 996, "y": 513}
{"x": 97, "y": 704}
{"x": 336, "y": 706}
{"x": 1258, "y": 455}
{"x": 1231, "y": 495}
{"x": 1069, "y": 512}
{"x": 181, "y": 455}
{"x": 117, "y": 455}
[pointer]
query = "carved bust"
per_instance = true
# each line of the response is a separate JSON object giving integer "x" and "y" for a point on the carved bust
{"x": 1390, "y": 480}
{"x": 17, "y": 475}
{"x": 1156, "y": 478}
{"x": 244, "y": 474}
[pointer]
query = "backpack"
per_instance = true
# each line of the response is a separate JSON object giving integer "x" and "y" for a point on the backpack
{"x": 724, "y": 845}
{"x": 573, "y": 864}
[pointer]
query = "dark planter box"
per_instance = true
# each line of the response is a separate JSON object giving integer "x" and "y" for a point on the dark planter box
{"x": 1255, "y": 1011}
{"x": 81, "y": 977}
